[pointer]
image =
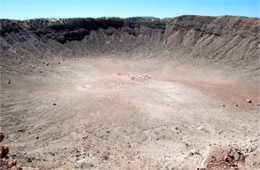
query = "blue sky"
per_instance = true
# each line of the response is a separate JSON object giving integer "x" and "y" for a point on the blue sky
{"x": 28, "y": 9}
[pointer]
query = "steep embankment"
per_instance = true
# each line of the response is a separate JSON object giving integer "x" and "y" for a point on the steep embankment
{"x": 233, "y": 41}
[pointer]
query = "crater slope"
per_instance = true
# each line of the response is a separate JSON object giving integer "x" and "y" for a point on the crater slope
{"x": 135, "y": 93}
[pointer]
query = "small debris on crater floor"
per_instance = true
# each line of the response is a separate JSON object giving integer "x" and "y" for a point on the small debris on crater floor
{"x": 140, "y": 77}
{"x": 248, "y": 100}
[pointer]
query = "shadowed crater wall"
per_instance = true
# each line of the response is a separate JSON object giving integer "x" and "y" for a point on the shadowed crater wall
{"x": 231, "y": 41}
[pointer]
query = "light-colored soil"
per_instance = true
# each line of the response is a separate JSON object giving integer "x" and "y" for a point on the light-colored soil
{"x": 107, "y": 113}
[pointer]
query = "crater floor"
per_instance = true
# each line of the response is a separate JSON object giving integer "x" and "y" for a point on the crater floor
{"x": 118, "y": 113}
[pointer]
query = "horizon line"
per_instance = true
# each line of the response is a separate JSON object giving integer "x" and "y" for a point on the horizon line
{"x": 161, "y": 18}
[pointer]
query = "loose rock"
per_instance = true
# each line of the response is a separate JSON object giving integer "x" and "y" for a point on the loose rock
{"x": 248, "y": 100}
{"x": 4, "y": 150}
{"x": 5, "y": 162}
{"x": 2, "y": 136}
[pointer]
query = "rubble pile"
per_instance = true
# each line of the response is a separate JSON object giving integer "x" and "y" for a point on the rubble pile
{"x": 6, "y": 163}
{"x": 234, "y": 160}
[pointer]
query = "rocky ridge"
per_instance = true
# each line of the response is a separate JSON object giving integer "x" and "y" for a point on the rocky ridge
{"x": 229, "y": 40}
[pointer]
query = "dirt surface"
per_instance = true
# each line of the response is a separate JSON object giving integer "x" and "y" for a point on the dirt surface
{"x": 91, "y": 113}
{"x": 139, "y": 93}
